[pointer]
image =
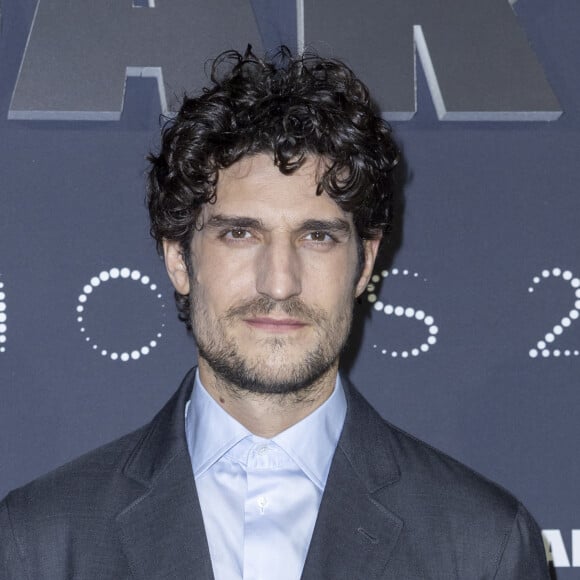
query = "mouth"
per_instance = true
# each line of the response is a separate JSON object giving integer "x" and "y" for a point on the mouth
{"x": 275, "y": 325}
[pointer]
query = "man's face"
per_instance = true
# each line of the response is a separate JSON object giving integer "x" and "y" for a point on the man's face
{"x": 274, "y": 276}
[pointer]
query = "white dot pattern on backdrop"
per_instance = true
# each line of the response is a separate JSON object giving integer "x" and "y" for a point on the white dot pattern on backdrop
{"x": 3, "y": 318}
{"x": 401, "y": 311}
{"x": 542, "y": 348}
{"x": 104, "y": 277}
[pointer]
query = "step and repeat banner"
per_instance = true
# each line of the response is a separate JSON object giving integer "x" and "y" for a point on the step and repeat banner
{"x": 468, "y": 335}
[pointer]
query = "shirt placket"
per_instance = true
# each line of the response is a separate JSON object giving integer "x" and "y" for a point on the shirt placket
{"x": 260, "y": 513}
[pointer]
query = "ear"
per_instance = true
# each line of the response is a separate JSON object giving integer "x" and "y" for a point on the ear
{"x": 175, "y": 266}
{"x": 371, "y": 248}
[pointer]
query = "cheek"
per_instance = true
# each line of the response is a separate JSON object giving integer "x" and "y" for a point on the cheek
{"x": 331, "y": 284}
{"x": 344, "y": 265}
{"x": 223, "y": 282}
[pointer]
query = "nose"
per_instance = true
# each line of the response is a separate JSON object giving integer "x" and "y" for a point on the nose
{"x": 279, "y": 270}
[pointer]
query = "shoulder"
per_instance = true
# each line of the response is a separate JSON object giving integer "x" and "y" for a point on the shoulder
{"x": 78, "y": 487}
{"x": 449, "y": 513}
{"x": 66, "y": 518}
{"x": 448, "y": 485}
{"x": 427, "y": 462}
{"x": 104, "y": 480}
{"x": 463, "y": 516}
{"x": 427, "y": 478}
{"x": 66, "y": 522}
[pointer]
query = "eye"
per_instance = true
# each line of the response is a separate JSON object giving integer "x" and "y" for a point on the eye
{"x": 237, "y": 234}
{"x": 319, "y": 237}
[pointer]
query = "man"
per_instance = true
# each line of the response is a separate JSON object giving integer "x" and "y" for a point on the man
{"x": 269, "y": 199}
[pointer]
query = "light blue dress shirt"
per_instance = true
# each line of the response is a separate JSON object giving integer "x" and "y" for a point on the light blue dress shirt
{"x": 260, "y": 497}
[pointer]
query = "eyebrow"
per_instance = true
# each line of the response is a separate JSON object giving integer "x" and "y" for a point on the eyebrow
{"x": 336, "y": 225}
{"x": 224, "y": 221}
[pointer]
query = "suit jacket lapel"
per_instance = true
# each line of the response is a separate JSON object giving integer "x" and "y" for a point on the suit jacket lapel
{"x": 355, "y": 531}
{"x": 162, "y": 530}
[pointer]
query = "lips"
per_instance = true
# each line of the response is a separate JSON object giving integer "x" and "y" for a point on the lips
{"x": 275, "y": 325}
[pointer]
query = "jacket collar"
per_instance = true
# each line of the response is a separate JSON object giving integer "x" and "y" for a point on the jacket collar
{"x": 364, "y": 444}
{"x": 164, "y": 439}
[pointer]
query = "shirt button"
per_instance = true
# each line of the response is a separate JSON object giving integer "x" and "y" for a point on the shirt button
{"x": 263, "y": 450}
{"x": 262, "y": 503}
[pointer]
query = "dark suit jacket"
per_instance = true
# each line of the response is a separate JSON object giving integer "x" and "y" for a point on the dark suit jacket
{"x": 393, "y": 508}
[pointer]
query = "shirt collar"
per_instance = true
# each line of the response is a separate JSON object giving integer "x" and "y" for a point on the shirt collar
{"x": 211, "y": 432}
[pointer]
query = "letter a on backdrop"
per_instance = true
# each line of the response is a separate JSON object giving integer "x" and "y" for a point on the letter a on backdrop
{"x": 79, "y": 52}
{"x": 477, "y": 60}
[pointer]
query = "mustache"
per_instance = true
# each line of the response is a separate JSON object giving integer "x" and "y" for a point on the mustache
{"x": 264, "y": 305}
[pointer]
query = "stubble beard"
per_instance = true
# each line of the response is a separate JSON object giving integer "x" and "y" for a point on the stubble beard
{"x": 258, "y": 375}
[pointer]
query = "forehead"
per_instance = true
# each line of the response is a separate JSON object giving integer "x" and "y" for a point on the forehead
{"x": 255, "y": 187}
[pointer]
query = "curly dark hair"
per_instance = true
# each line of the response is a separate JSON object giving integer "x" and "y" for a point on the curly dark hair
{"x": 290, "y": 107}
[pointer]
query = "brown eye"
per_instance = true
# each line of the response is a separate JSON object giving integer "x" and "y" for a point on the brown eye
{"x": 319, "y": 237}
{"x": 238, "y": 233}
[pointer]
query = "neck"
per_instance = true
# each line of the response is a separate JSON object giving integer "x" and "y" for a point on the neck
{"x": 266, "y": 414}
